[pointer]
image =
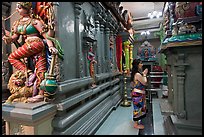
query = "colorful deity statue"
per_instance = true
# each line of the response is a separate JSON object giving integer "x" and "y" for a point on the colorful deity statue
{"x": 32, "y": 58}
{"x": 92, "y": 61}
{"x": 146, "y": 52}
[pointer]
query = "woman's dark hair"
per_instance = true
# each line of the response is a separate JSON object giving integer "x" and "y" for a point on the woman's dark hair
{"x": 135, "y": 64}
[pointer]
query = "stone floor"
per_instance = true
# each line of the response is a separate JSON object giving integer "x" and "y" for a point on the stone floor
{"x": 120, "y": 121}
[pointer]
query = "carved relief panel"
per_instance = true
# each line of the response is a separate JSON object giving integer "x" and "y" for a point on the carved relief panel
{"x": 89, "y": 44}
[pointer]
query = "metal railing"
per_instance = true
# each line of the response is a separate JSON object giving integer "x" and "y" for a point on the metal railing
{"x": 149, "y": 88}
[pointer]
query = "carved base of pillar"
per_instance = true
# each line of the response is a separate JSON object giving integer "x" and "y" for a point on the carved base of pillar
{"x": 175, "y": 126}
{"x": 28, "y": 119}
{"x": 42, "y": 128}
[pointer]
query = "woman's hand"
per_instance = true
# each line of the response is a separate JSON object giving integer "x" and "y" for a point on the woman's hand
{"x": 145, "y": 72}
{"x": 53, "y": 50}
{"x": 132, "y": 84}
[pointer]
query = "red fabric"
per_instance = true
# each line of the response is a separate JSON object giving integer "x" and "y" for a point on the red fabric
{"x": 118, "y": 50}
{"x": 40, "y": 9}
{"x": 34, "y": 49}
{"x": 157, "y": 69}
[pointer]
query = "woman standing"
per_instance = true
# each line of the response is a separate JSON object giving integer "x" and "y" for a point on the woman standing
{"x": 138, "y": 80}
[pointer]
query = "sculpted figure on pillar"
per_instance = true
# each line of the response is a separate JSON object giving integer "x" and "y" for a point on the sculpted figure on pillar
{"x": 35, "y": 56}
{"x": 92, "y": 61}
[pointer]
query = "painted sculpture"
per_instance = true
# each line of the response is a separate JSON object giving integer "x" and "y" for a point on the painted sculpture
{"x": 35, "y": 55}
{"x": 187, "y": 25}
{"x": 92, "y": 61}
{"x": 146, "y": 52}
{"x": 185, "y": 9}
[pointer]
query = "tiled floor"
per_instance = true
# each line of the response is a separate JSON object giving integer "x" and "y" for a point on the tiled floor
{"x": 120, "y": 121}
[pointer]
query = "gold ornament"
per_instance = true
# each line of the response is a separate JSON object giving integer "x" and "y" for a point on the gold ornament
{"x": 26, "y": 5}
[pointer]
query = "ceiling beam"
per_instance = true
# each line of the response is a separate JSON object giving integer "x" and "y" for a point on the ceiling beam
{"x": 146, "y": 18}
{"x": 148, "y": 28}
{"x": 142, "y": 18}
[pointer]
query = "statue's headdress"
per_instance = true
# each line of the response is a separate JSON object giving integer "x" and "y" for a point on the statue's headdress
{"x": 26, "y": 5}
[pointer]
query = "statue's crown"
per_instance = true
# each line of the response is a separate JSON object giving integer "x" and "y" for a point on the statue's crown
{"x": 26, "y": 5}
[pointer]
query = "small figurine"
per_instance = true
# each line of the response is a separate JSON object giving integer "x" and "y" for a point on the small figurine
{"x": 185, "y": 28}
{"x": 92, "y": 61}
{"x": 146, "y": 54}
{"x": 175, "y": 29}
{"x": 182, "y": 27}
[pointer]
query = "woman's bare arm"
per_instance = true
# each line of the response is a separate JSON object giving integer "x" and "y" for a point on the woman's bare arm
{"x": 140, "y": 78}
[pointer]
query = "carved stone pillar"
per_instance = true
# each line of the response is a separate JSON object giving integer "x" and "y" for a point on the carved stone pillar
{"x": 185, "y": 85}
{"x": 89, "y": 40}
{"x": 115, "y": 32}
{"x": 107, "y": 49}
{"x": 5, "y": 50}
{"x": 79, "y": 65}
{"x": 114, "y": 53}
{"x": 97, "y": 28}
{"x": 180, "y": 72}
{"x": 102, "y": 49}
{"x": 58, "y": 68}
{"x": 5, "y": 65}
{"x": 111, "y": 47}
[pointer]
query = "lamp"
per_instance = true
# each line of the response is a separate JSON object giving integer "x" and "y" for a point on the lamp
{"x": 154, "y": 14}
{"x": 145, "y": 33}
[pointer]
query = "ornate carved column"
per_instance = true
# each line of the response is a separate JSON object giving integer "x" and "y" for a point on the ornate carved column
{"x": 97, "y": 18}
{"x": 111, "y": 47}
{"x": 5, "y": 50}
{"x": 107, "y": 49}
{"x": 58, "y": 68}
{"x": 98, "y": 55}
{"x": 102, "y": 44}
{"x": 5, "y": 65}
{"x": 114, "y": 53}
{"x": 79, "y": 65}
{"x": 115, "y": 32}
{"x": 180, "y": 72}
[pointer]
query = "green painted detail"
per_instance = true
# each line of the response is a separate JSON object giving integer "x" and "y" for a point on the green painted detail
{"x": 49, "y": 85}
{"x": 30, "y": 29}
{"x": 58, "y": 46}
{"x": 184, "y": 37}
